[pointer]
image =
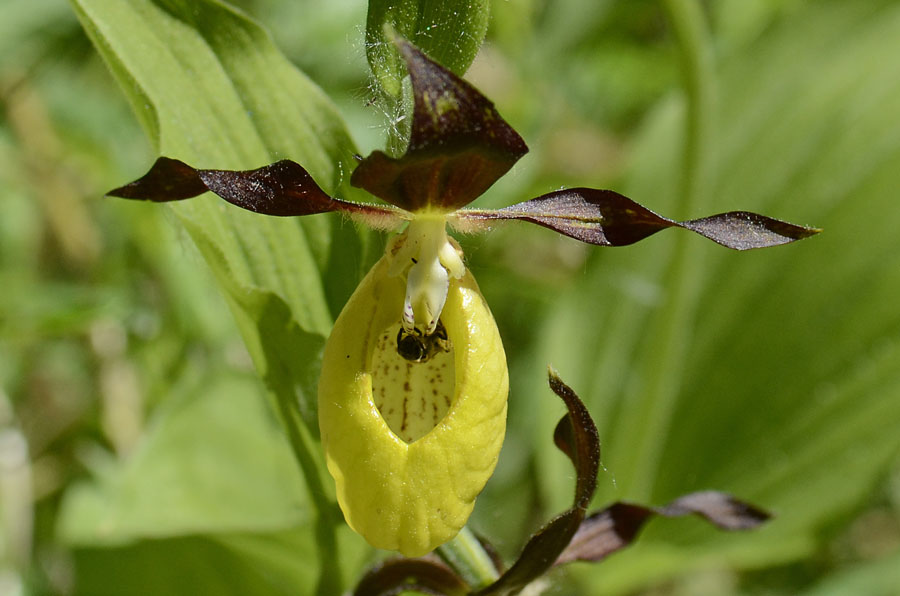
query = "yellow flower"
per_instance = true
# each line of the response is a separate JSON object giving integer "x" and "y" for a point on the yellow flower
{"x": 411, "y": 439}
{"x": 412, "y": 395}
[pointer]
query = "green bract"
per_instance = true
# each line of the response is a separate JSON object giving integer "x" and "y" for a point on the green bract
{"x": 412, "y": 397}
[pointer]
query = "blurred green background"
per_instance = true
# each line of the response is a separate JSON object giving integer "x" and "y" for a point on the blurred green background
{"x": 140, "y": 454}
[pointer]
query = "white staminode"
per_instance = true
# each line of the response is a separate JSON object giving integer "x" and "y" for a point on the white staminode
{"x": 432, "y": 259}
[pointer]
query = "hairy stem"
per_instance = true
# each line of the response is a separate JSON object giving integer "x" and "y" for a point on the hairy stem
{"x": 329, "y": 579}
{"x": 465, "y": 555}
{"x": 695, "y": 49}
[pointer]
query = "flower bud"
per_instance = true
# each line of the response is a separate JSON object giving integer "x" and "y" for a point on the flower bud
{"x": 412, "y": 425}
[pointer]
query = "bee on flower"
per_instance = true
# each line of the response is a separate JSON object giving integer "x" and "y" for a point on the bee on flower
{"x": 414, "y": 382}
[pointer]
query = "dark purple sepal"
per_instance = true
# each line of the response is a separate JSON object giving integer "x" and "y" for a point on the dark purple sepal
{"x": 615, "y": 527}
{"x": 168, "y": 180}
{"x": 458, "y": 147}
{"x": 606, "y": 218}
{"x": 577, "y": 437}
{"x": 397, "y": 576}
{"x": 284, "y": 189}
{"x": 574, "y": 536}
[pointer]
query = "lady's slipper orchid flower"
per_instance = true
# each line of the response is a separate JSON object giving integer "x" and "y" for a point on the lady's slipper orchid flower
{"x": 412, "y": 395}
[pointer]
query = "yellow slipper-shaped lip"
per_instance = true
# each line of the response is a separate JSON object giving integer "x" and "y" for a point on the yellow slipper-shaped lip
{"x": 414, "y": 493}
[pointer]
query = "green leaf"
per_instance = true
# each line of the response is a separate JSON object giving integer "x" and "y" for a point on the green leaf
{"x": 209, "y": 503}
{"x": 790, "y": 392}
{"x": 227, "y": 564}
{"x": 212, "y": 461}
{"x": 192, "y": 565}
{"x": 448, "y": 31}
{"x": 209, "y": 87}
{"x": 875, "y": 578}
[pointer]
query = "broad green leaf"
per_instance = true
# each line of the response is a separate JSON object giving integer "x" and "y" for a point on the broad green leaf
{"x": 228, "y": 564}
{"x": 212, "y": 461}
{"x": 448, "y": 31}
{"x": 873, "y": 578}
{"x": 192, "y": 565}
{"x": 209, "y": 87}
{"x": 790, "y": 393}
{"x": 210, "y": 502}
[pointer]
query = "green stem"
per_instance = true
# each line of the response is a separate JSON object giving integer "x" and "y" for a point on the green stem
{"x": 465, "y": 555}
{"x": 301, "y": 442}
{"x": 695, "y": 50}
{"x": 684, "y": 272}
{"x": 298, "y": 437}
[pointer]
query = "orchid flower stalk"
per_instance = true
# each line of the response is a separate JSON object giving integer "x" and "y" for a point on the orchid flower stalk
{"x": 413, "y": 389}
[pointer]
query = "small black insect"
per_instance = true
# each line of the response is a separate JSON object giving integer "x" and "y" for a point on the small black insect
{"x": 417, "y": 347}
